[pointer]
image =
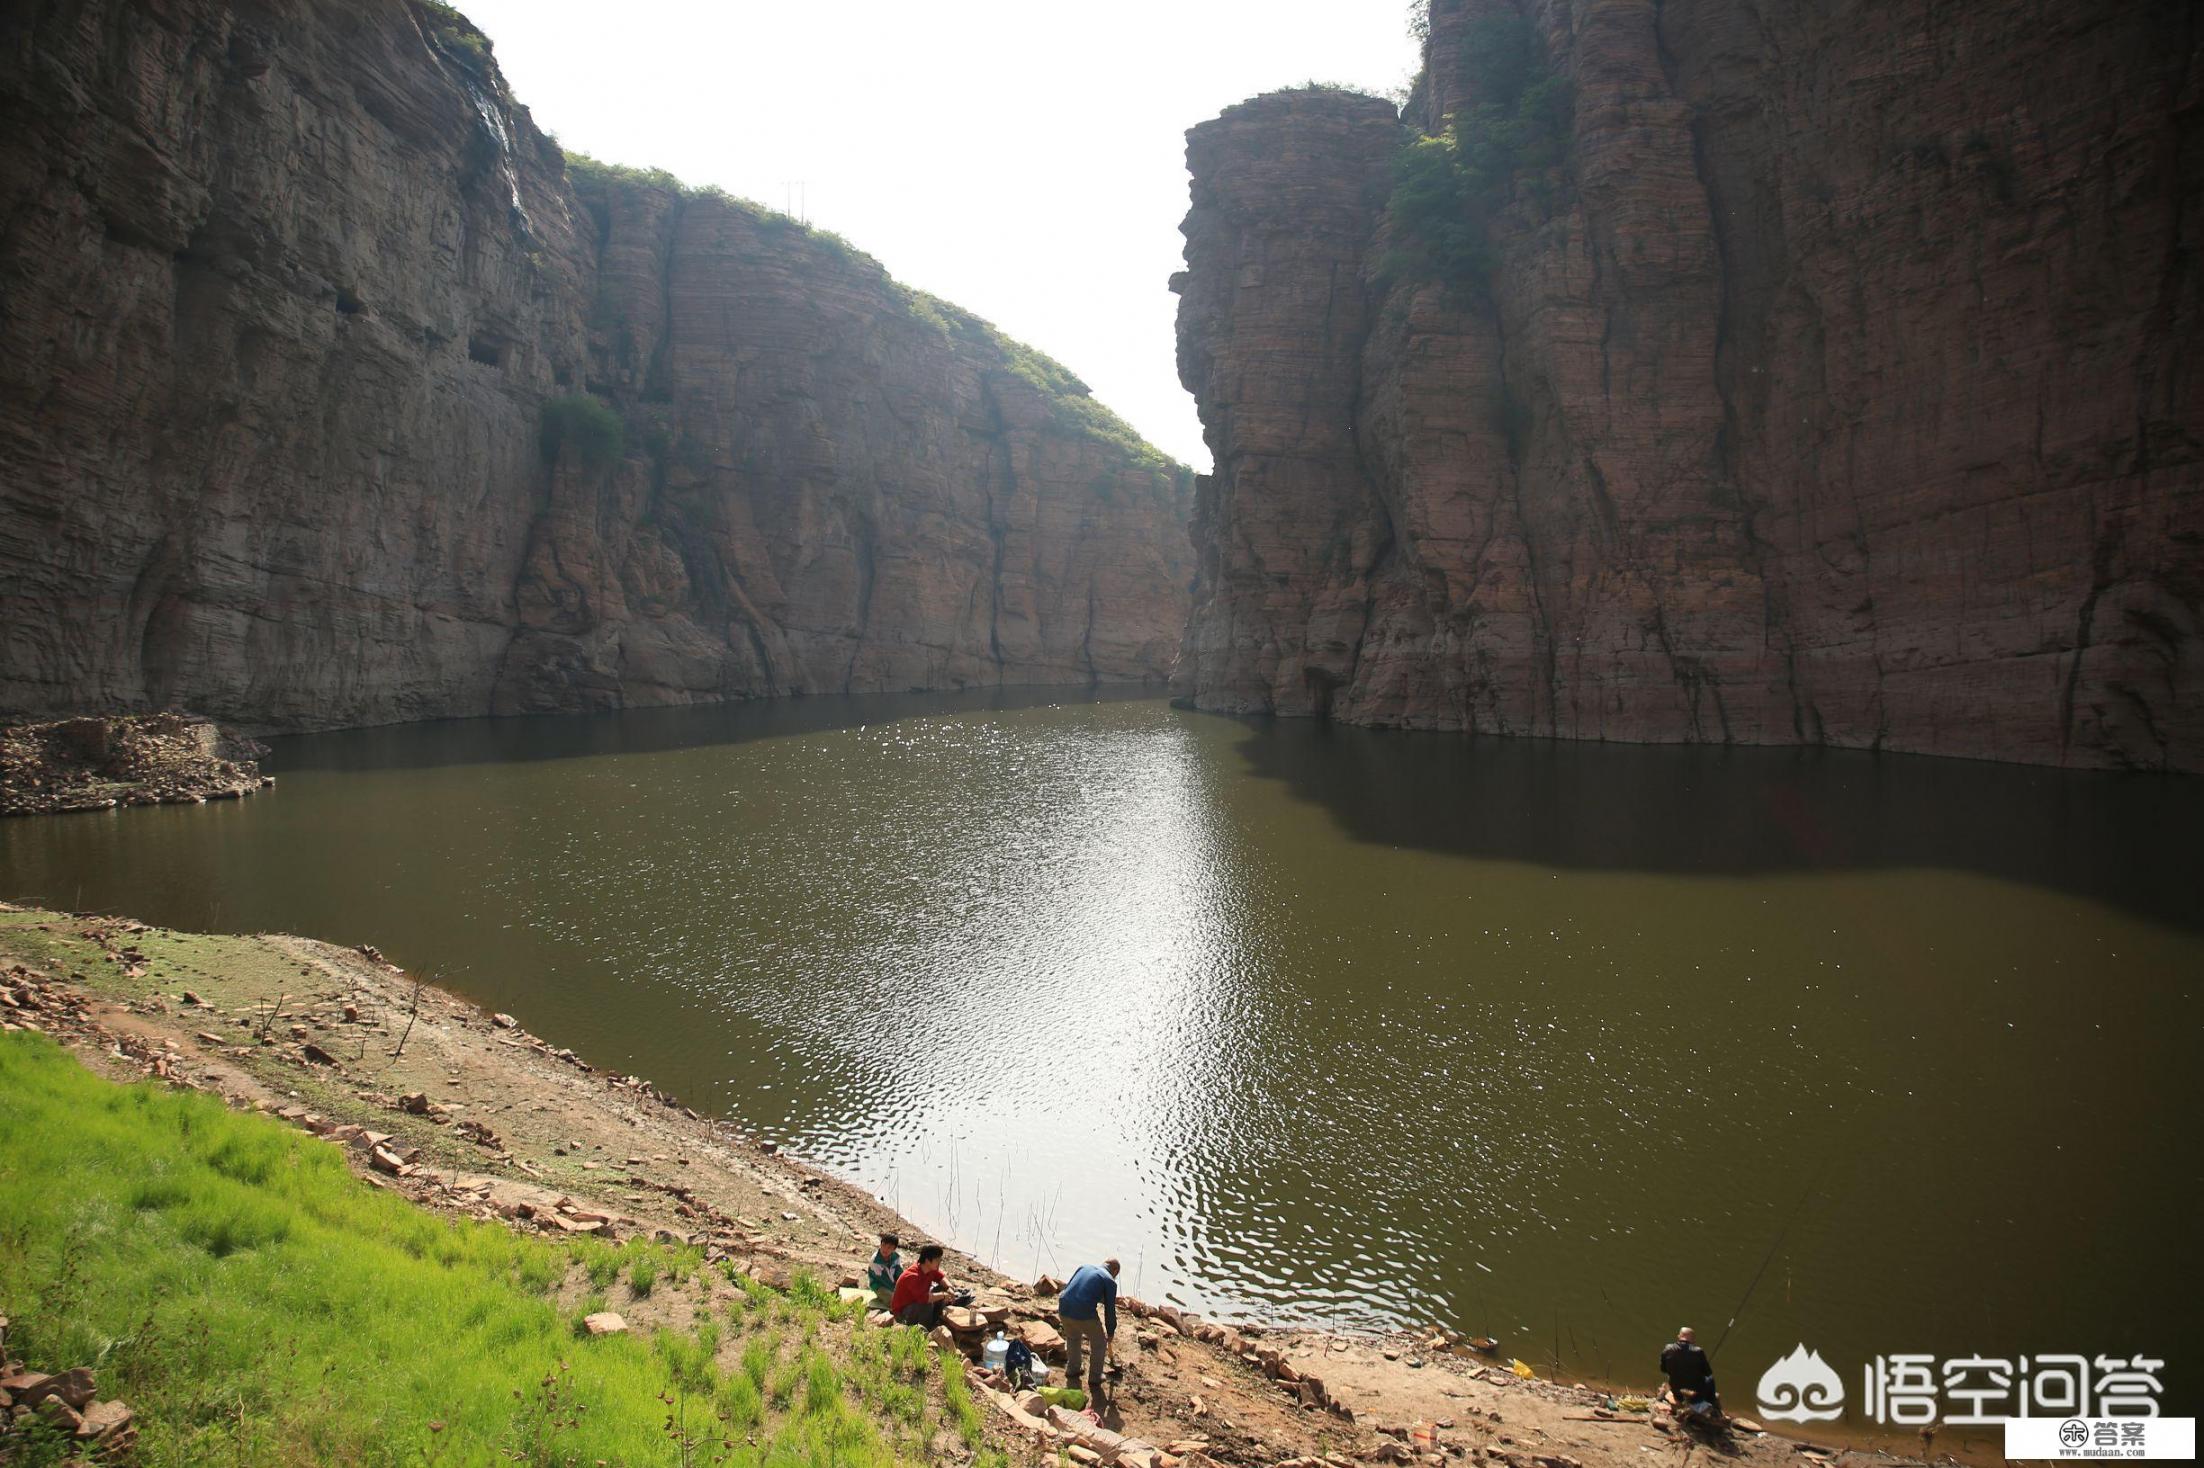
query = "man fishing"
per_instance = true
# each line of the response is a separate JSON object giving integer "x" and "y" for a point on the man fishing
{"x": 1691, "y": 1377}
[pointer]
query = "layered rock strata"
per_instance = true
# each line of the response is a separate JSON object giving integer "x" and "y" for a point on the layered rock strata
{"x": 287, "y": 292}
{"x": 1835, "y": 389}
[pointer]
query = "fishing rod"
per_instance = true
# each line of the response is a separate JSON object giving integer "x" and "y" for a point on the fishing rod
{"x": 1781, "y": 1233}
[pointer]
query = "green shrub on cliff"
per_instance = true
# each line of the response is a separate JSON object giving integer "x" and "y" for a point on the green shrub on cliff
{"x": 592, "y": 176}
{"x": 586, "y": 429}
{"x": 454, "y": 29}
{"x": 583, "y": 169}
{"x": 1449, "y": 189}
{"x": 1072, "y": 404}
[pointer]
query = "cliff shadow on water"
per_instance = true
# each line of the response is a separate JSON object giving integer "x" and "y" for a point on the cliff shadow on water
{"x": 441, "y": 744}
{"x": 1714, "y": 810}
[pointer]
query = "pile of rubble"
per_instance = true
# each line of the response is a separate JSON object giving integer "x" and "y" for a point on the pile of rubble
{"x": 134, "y": 759}
{"x": 28, "y": 1004}
{"x": 1243, "y": 1342}
{"x": 38, "y": 1408}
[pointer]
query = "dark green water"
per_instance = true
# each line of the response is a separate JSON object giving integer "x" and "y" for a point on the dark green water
{"x": 1545, "y": 1041}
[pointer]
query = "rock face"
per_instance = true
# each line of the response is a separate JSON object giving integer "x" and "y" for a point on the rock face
{"x": 286, "y": 292}
{"x": 1835, "y": 390}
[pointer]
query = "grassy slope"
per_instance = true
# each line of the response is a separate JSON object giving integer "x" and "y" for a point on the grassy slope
{"x": 256, "y": 1303}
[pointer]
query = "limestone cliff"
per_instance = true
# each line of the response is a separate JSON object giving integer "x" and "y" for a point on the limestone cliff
{"x": 1832, "y": 385}
{"x": 288, "y": 290}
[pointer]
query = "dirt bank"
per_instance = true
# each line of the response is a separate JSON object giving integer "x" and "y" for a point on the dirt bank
{"x": 467, "y": 1112}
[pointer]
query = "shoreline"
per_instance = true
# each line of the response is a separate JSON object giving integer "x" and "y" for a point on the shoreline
{"x": 488, "y": 1118}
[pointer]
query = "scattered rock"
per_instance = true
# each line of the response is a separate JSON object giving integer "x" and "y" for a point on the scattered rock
{"x": 107, "y": 1423}
{"x": 604, "y": 1322}
{"x": 73, "y": 1387}
{"x": 1043, "y": 1338}
{"x": 60, "y": 1415}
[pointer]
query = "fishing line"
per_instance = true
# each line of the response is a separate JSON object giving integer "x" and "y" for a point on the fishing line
{"x": 1796, "y": 1209}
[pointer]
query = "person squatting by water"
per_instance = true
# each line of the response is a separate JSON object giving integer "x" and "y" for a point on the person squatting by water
{"x": 1691, "y": 1376}
{"x": 883, "y": 1269}
{"x": 1088, "y": 1291}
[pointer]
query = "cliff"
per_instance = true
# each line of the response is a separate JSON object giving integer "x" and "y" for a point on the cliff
{"x": 330, "y": 394}
{"x": 1716, "y": 372}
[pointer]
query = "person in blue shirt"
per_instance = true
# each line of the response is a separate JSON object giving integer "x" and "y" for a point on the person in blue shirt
{"x": 1090, "y": 1293}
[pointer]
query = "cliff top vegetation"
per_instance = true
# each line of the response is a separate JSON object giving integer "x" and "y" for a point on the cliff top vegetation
{"x": 1449, "y": 188}
{"x": 1073, "y": 405}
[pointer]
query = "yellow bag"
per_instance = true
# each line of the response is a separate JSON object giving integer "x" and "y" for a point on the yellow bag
{"x": 1523, "y": 1370}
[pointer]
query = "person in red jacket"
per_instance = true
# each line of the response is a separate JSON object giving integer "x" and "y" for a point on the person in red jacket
{"x": 921, "y": 1290}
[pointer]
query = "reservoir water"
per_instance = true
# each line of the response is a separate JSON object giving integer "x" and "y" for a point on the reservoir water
{"x": 1566, "y": 1044}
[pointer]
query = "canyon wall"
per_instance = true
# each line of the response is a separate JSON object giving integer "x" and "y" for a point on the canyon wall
{"x": 287, "y": 291}
{"x": 1834, "y": 387}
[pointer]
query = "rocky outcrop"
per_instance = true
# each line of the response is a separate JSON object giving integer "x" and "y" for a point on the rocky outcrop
{"x": 1832, "y": 390}
{"x": 289, "y": 290}
{"x": 142, "y": 759}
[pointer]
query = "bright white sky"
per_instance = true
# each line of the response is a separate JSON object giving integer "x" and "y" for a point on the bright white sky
{"x": 1023, "y": 158}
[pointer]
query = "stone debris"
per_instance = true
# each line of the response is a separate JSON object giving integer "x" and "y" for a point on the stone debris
{"x": 604, "y": 1322}
{"x": 135, "y": 759}
{"x": 68, "y": 1401}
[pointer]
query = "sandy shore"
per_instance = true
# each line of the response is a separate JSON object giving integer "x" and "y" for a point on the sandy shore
{"x": 467, "y": 1112}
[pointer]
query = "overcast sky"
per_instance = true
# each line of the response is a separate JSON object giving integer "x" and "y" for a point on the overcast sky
{"x": 1025, "y": 159}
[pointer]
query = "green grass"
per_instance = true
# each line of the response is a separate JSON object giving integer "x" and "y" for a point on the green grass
{"x": 642, "y": 1271}
{"x": 256, "y": 1303}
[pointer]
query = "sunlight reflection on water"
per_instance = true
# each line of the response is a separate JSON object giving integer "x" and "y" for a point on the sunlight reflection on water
{"x": 1535, "y": 1040}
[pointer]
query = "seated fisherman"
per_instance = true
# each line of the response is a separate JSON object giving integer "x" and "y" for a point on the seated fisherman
{"x": 921, "y": 1290}
{"x": 1690, "y": 1375}
{"x": 882, "y": 1270}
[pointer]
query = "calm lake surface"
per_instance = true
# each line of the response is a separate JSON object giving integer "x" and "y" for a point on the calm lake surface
{"x": 1559, "y": 1043}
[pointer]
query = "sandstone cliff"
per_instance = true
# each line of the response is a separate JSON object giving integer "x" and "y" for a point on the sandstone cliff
{"x": 1832, "y": 386}
{"x": 287, "y": 289}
